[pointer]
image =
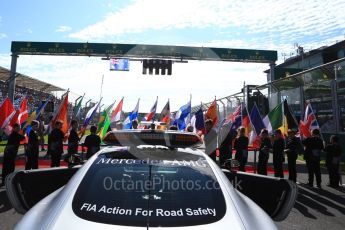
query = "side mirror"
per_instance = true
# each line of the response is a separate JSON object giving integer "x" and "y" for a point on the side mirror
{"x": 275, "y": 196}
{"x": 27, "y": 187}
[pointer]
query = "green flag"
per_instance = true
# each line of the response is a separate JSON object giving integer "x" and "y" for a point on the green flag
{"x": 274, "y": 119}
{"x": 77, "y": 107}
{"x": 104, "y": 122}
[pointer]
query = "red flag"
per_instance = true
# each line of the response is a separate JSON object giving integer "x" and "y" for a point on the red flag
{"x": 212, "y": 113}
{"x": 6, "y": 112}
{"x": 62, "y": 115}
{"x": 23, "y": 112}
{"x": 152, "y": 112}
{"x": 21, "y": 115}
{"x": 166, "y": 113}
{"x": 246, "y": 121}
{"x": 14, "y": 119}
{"x": 304, "y": 128}
{"x": 116, "y": 114}
{"x": 232, "y": 116}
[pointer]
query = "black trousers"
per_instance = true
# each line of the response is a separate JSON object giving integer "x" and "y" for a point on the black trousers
{"x": 31, "y": 160}
{"x": 224, "y": 154}
{"x": 242, "y": 160}
{"x": 313, "y": 166}
{"x": 262, "y": 163}
{"x": 334, "y": 176}
{"x": 292, "y": 167}
{"x": 72, "y": 148}
{"x": 8, "y": 165}
{"x": 278, "y": 168}
{"x": 55, "y": 159}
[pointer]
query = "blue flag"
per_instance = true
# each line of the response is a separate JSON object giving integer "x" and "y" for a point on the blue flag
{"x": 127, "y": 124}
{"x": 199, "y": 120}
{"x": 182, "y": 115}
{"x": 256, "y": 120}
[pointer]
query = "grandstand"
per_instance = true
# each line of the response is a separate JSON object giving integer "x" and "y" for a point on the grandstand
{"x": 36, "y": 91}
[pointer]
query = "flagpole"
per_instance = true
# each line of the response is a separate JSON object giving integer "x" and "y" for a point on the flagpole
{"x": 100, "y": 96}
{"x": 154, "y": 116}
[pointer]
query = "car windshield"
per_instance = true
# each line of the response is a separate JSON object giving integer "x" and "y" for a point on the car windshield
{"x": 130, "y": 188}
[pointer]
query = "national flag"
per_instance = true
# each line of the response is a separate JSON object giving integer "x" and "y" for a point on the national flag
{"x": 21, "y": 114}
{"x": 102, "y": 117}
{"x": 6, "y": 113}
{"x": 89, "y": 116}
{"x": 290, "y": 121}
{"x": 236, "y": 124}
{"x": 310, "y": 115}
{"x": 274, "y": 119}
{"x": 104, "y": 122}
{"x": 199, "y": 120}
{"x": 62, "y": 114}
{"x": 14, "y": 120}
{"x": 166, "y": 114}
{"x": 23, "y": 111}
{"x": 131, "y": 116}
{"x": 152, "y": 112}
{"x": 116, "y": 114}
{"x": 235, "y": 114}
{"x": 246, "y": 121}
{"x": 309, "y": 123}
{"x": 212, "y": 114}
{"x": 77, "y": 106}
{"x": 34, "y": 115}
{"x": 182, "y": 115}
{"x": 236, "y": 121}
{"x": 257, "y": 124}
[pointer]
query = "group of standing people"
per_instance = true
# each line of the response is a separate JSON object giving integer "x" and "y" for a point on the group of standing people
{"x": 281, "y": 147}
{"x": 56, "y": 138}
{"x": 314, "y": 146}
{"x": 55, "y": 150}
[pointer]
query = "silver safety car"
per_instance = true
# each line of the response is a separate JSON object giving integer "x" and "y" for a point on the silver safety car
{"x": 148, "y": 179}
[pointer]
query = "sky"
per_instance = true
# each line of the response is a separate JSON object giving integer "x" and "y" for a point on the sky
{"x": 261, "y": 24}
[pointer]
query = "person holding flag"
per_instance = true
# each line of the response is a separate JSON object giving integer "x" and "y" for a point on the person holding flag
{"x": 265, "y": 146}
{"x": 92, "y": 142}
{"x": 278, "y": 153}
{"x": 225, "y": 143}
{"x": 32, "y": 148}
{"x": 11, "y": 151}
{"x": 73, "y": 139}
{"x": 40, "y": 132}
{"x": 135, "y": 124}
{"x": 55, "y": 143}
{"x": 313, "y": 147}
{"x": 241, "y": 148}
{"x": 293, "y": 144}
